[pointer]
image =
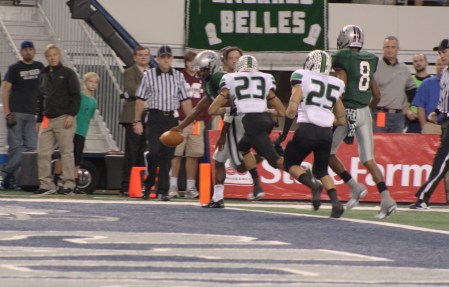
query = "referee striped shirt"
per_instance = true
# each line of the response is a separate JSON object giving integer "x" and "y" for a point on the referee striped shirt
{"x": 443, "y": 103}
{"x": 163, "y": 91}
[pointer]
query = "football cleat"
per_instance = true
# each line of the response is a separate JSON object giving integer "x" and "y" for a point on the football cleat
{"x": 356, "y": 195}
{"x": 257, "y": 193}
{"x": 216, "y": 204}
{"x": 337, "y": 210}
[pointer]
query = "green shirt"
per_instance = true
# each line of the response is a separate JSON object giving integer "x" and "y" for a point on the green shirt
{"x": 212, "y": 87}
{"x": 360, "y": 67}
{"x": 85, "y": 114}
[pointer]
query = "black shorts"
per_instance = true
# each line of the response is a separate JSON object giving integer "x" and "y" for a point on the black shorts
{"x": 308, "y": 139}
{"x": 258, "y": 127}
{"x": 78, "y": 147}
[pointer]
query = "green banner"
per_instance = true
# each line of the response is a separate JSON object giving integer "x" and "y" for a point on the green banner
{"x": 257, "y": 25}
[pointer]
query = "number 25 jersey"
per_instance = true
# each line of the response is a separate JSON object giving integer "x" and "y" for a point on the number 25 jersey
{"x": 249, "y": 90}
{"x": 319, "y": 94}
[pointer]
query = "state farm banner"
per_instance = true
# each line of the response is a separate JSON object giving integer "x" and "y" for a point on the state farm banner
{"x": 404, "y": 159}
{"x": 257, "y": 25}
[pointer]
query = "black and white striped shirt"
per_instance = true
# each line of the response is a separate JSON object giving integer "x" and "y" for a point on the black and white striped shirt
{"x": 162, "y": 91}
{"x": 443, "y": 103}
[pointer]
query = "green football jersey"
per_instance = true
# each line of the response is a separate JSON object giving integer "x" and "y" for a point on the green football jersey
{"x": 360, "y": 67}
{"x": 212, "y": 87}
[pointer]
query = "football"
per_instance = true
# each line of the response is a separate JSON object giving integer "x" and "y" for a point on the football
{"x": 171, "y": 138}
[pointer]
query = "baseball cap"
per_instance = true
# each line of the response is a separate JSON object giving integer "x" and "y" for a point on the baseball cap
{"x": 444, "y": 44}
{"x": 164, "y": 50}
{"x": 26, "y": 44}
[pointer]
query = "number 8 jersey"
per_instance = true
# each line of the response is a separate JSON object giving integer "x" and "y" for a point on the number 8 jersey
{"x": 249, "y": 90}
{"x": 320, "y": 92}
{"x": 360, "y": 67}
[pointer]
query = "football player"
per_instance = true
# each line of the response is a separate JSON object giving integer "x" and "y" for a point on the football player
{"x": 207, "y": 63}
{"x": 250, "y": 91}
{"x": 316, "y": 100}
{"x": 356, "y": 68}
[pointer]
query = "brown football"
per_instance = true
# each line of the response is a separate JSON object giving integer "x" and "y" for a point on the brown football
{"x": 171, "y": 138}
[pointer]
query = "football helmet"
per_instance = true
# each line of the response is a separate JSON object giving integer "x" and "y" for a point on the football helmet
{"x": 207, "y": 60}
{"x": 350, "y": 36}
{"x": 246, "y": 63}
{"x": 318, "y": 61}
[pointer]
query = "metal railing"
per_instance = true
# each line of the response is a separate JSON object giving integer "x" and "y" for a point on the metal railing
{"x": 8, "y": 51}
{"x": 87, "y": 52}
{"x": 30, "y": 3}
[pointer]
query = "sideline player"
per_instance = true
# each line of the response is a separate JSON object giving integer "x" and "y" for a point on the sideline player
{"x": 316, "y": 99}
{"x": 250, "y": 92}
{"x": 356, "y": 68}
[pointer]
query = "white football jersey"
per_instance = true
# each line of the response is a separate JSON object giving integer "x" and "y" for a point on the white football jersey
{"x": 320, "y": 92}
{"x": 249, "y": 90}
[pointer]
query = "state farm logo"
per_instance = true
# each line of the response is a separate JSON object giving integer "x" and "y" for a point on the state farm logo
{"x": 235, "y": 177}
{"x": 232, "y": 171}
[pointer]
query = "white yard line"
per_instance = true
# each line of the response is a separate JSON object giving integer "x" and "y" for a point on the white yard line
{"x": 244, "y": 206}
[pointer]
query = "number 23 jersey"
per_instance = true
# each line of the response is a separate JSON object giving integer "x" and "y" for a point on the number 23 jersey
{"x": 319, "y": 94}
{"x": 249, "y": 90}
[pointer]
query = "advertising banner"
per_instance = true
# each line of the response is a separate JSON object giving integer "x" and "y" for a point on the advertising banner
{"x": 404, "y": 159}
{"x": 257, "y": 25}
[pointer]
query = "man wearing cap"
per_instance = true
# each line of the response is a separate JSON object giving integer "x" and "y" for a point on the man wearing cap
{"x": 164, "y": 90}
{"x": 19, "y": 93}
{"x": 441, "y": 160}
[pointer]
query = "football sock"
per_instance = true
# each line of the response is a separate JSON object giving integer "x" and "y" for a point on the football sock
{"x": 218, "y": 192}
{"x": 381, "y": 187}
{"x": 190, "y": 183}
{"x": 332, "y": 194}
{"x": 346, "y": 176}
{"x": 173, "y": 181}
{"x": 352, "y": 184}
{"x": 304, "y": 178}
{"x": 254, "y": 176}
{"x": 385, "y": 194}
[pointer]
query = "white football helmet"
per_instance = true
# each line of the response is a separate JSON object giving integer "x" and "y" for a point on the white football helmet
{"x": 246, "y": 63}
{"x": 350, "y": 36}
{"x": 318, "y": 61}
{"x": 207, "y": 60}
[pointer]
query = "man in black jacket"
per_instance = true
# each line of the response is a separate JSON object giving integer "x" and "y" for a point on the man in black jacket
{"x": 58, "y": 103}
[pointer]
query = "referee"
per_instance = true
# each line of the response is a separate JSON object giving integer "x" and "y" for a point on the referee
{"x": 164, "y": 89}
{"x": 441, "y": 160}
